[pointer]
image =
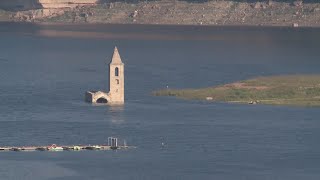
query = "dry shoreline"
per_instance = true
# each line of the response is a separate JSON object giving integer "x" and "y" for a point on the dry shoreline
{"x": 292, "y": 90}
{"x": 211, "y": 13}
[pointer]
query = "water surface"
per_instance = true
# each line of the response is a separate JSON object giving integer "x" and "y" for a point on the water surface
{"x": 45, "y": 70}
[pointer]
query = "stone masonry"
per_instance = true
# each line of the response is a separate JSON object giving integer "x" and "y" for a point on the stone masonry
{"x": 116, "y": 84}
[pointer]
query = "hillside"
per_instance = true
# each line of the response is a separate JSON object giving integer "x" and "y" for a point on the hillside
{"x": 215, "y": 12}
{"x": 298, "y": 90}
{"x": 43, "y": 4}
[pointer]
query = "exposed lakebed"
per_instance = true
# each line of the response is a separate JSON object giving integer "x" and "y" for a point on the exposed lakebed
{"x": 296, "y": 90}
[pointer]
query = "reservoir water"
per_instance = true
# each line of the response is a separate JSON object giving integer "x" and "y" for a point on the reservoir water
{"x": 46, "y": 69}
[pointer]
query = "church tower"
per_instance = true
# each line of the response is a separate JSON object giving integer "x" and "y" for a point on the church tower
{"x": 116, "y": 78}
{"x": 116, "y": 84}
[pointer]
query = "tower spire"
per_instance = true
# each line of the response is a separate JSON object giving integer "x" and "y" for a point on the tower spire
{"x": 116, "y": 59}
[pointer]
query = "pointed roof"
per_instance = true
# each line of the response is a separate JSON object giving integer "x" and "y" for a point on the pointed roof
{"x": 116, "y": 59}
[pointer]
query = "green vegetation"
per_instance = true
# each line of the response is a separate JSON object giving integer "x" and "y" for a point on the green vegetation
{"x": 4, "y": 15}
{"x": 299, "y": 90}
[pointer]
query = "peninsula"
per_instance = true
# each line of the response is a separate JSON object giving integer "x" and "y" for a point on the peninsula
{"x": 295, "y": 90}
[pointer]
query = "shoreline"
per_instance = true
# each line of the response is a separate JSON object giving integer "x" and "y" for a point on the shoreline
{"x": 290, "y": 90}
{"x": 241, "y": 26}
{"x": 139, "y": 31}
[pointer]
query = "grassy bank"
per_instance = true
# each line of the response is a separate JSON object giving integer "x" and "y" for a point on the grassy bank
{"x": 4, "y": 15}
{"x": 300, "y": 90}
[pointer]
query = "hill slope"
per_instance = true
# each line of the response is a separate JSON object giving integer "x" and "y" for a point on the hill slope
{"x": 227, "y": 12}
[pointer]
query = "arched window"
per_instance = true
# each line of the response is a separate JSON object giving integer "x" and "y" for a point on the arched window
{"x": 116, "y": 71}
{"x": 102, "y": 100}
{"x": 117, "y": 80}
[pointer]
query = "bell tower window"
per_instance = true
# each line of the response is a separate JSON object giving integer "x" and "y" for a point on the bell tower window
{"x": 116, "y": 71}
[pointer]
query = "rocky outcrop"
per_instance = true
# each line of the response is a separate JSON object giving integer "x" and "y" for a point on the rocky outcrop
{"x": 66, "y": 3}
{"x": 33, "y": 15}
{"x": 45, "y": 4}
{"x": 32, "y": 10}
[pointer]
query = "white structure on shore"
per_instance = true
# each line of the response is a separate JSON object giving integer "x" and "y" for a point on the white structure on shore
{"x": 116, "y": 84}
{"x": 44, "y": 4}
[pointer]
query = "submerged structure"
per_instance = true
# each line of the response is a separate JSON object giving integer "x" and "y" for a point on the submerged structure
{"x": 116, "y": 84}
{"x": 112, "y": 145}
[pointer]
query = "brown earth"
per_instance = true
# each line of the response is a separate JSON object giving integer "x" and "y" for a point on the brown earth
{"x": 228, "y": 12}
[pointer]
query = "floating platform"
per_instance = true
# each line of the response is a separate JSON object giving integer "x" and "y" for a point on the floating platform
{"x": 54, "y": 147}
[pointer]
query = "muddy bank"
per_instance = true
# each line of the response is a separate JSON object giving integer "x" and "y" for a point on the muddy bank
{"x": 269, "y": 13}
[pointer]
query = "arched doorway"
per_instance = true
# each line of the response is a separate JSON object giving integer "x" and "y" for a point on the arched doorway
{"x": 102, "y": 100}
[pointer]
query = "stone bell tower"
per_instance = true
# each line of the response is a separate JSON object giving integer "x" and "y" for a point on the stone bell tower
{"x": 116, "y": 84}
{"x": 116, "y": 78}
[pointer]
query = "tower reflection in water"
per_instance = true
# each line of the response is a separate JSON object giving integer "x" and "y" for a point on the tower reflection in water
{"x": 115, "y": 114}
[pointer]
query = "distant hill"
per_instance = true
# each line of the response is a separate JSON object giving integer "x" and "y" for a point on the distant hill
{"x": 190, "y": 12}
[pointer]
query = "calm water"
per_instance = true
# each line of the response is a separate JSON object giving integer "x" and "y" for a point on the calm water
{"x": 45, "y": 70}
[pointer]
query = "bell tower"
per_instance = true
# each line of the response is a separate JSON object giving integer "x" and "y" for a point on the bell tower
{"x": 116, "y": 78}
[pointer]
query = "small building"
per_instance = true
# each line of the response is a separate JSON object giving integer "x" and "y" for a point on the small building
{"x": 113, "y": 142}
{"x": 116, "y": 84}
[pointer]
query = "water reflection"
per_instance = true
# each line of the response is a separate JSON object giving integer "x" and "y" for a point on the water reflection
{"x": 116, "y": 114}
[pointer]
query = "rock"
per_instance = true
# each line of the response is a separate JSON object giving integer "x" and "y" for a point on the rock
{"x": 83, "y": 15}
{"x": 295, "y": 25}
{"x": 316, "y": 10}
{"x": 257, "y": 5}
{"x": 298, "y": 3}
{"x": 17, "y": 15}
{"x": 209, "y": 98}
{"x": 134, "y": 14}
{"x": 252, "y": 102}
{"x": 270, "y": 3}
{"x": 26, "y": 18}
{"x": 111, "y": 5}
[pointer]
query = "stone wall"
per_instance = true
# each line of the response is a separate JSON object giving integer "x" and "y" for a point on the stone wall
{"x": 46, "y": 4}
{"x": 66, "y": 3}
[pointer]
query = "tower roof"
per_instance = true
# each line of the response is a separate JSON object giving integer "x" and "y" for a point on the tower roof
{"x": 116, "y": 59}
